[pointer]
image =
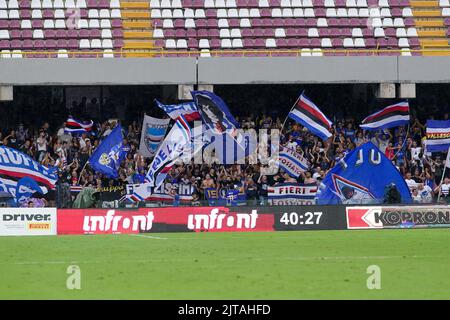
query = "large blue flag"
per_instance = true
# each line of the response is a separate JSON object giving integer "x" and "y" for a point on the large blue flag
{"x": 438, "y": 135}
{"x": 214, "y": 112}
{"x": 109, "y": 154}
{"x": 363, "y": 177}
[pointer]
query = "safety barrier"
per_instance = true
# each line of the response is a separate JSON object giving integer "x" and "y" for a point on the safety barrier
{"x": 161, "y": 52}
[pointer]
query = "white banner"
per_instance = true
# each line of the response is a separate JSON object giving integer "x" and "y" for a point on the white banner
{"x": 153, "y": 132}
{"x": 143, "y": 192}
{"x": 292, "y": 162}
{"x": 292, "y": 194}
{"x": 27, "y": 221}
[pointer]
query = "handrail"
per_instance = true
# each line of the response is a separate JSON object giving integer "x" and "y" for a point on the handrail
{"x": 149, "y": 53}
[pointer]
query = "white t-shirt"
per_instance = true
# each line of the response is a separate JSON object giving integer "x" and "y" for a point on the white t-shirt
{"x": 415, "y": 153}
{"x": 41, "y": 144}
{"x": 426, "y": 194}
{"x": 445, "y": 189}
{"x": 411, "y": 183}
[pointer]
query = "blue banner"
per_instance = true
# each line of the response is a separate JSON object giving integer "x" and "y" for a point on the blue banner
{"x": 109, "y": 154}
{"x": 364, "y": 176}
{"x": 225, "y": 196}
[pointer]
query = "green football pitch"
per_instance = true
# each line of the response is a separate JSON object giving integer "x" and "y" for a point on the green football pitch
{"x": 412, "y": 264}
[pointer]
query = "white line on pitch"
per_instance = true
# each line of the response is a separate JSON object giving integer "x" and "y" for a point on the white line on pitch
{"x": 149, "y": 237}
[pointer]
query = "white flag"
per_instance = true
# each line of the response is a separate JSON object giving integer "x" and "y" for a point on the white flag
{"x": 177, "y": 143}
{"x": 153, "y": 132}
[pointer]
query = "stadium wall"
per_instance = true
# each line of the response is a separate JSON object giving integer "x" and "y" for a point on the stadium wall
{"x": 233, "y": 70}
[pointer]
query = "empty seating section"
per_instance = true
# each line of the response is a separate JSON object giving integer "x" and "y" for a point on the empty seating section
{"x": 60, "y": 28}
{"x": 311, "y": 27}
{"x": 109, "y": 28}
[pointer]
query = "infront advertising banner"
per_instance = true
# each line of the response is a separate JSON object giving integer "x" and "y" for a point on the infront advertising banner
{"x": 200, "y": 219}
{"x": 28, "y": 221}
{"x": 397, "y": 217}
{"x": 179, "y": 219}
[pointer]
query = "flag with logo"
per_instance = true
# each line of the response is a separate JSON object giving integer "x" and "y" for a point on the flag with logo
{"x": 438, "y": 135}
{"x": 175, "y": 145}
{"x": 215, "y": 113}
{"x": 109, "y": 154}
{"x": 186, "y": 109}
{"x": 363, "y": 176}
{"x": 153, "y": 132}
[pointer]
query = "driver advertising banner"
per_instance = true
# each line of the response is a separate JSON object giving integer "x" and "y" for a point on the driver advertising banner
{"x": 27, "y": 221}
{"x": 376, "y": 217}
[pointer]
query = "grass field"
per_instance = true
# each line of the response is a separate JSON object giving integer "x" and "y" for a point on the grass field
{"x": 279, "y": 265}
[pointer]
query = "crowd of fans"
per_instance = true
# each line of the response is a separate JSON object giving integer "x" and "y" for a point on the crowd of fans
{"x": 403, "y": 145}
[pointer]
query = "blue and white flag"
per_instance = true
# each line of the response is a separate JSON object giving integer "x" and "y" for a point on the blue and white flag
{"x": 26, "y": 187}
{"x": 186, "y": 109}
{"x": 309, "y": 115}
{"x": 109, "y": 154}
{"x": 176, "y": 144}
{"x": 215, "y": 113}
{"x": 292, "y": 162}
{"x": 391, "y": 116}
{"x": 362, "y": 177}
{"x": 15, "y": 165}
{"x": 77, "y": 127}
{"x": 153, "y": 132}
{"x": 438, "y": 135}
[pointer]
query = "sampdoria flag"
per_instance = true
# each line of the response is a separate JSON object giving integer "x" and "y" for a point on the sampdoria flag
{"x": 186, "y": 109}
{"x": 15, "y": 165}
{"x": 74, "y": 126}
{"x": 215, "y": 113}
{"x": 176, "y": 144}
{"x": 109, "y": 154}
{"x": 353, "y": 181}
{"x": 391, "y": 116}
{"x": 438, "y": 135}
{"x": 153, "y": 132}
{"x": 292, "y": 162}
{"x": 309, "y": 115}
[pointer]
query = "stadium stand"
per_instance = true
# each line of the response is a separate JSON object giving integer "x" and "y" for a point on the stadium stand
{"x": 96, "y": 28}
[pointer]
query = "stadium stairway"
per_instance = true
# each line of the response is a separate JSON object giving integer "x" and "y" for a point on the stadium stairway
{"x": 137, "y": 28}
{"x": 431, "y": 26}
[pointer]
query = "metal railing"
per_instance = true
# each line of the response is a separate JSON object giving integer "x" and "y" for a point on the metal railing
{"x": 161, "y": 52}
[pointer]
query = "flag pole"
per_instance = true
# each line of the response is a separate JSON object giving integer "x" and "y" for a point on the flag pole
{"x": 407, "y": 131}
{"x": 443, "y": 174}
{"x": 295, "y": 103}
